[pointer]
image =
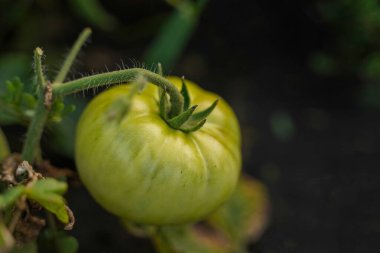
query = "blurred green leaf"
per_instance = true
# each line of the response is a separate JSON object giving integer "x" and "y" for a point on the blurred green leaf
{"x": 4, "y": 148}
{"x": 322, "y": 63}
{"x": 354, "y": 27}
{"x": 59, "y": 111}
{"x": 185, "y": 239}
{"x": 370, "y": 95}
{"x": 93, "y": 12}
{"x": 282, "y": 125}
{"x": 48, "y": 193}
{"x": 138, "y": 230}
{"x": 27, "y": 104}
{"x": 244, "y": 217}
{"x": 15, "y": 11}
{"x": 6, "y": 238}
{"x": 28, "y": 248}
{"x": 15, "y": 89}
{"x": 241, "y": 220}
{"x": 66, "y": 244}
{"x": 371, "y": 66}
{"x": 61, "y": 135}
{"x": 14, "y": 64}
{"x": 10, "y": 196}
{"x": 174, "y": 34}
{"x": 17, "y": 104}
{"x": 48, "y": 185}
{"x": 51, "y": 240}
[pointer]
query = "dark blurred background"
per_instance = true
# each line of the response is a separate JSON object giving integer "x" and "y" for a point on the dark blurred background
{"x": 302, "y": 76}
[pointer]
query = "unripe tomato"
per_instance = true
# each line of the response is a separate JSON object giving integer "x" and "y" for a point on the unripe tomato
{"x": 141, "y": 169}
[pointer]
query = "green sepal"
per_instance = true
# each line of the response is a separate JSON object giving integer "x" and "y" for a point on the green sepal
{"x": 185, "y": 94}
{"x": 192, "y": 126}
{"x": 199, "y": 116}
{"x": 179, "y": 120}
{"x": 185, "y": 121}
{"x": 164, "y": 104}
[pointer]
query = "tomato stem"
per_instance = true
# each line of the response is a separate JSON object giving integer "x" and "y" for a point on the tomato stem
{"x": 44, "y": 88}
{"x": 72, "y": 55}
{"x": 36, "y": 127}
{"x": 119, "y": 77}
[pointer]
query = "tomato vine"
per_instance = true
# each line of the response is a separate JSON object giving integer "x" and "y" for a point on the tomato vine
{"x": 173, "y": 107}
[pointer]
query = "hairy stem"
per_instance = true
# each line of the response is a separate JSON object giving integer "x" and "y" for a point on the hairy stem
{"x": 38, "y": 53}
{"x": 119, "y": 77}
{"x": 72, "y": 55}
{"x": 36, "y": 127}
{"x": 159, "y": 69}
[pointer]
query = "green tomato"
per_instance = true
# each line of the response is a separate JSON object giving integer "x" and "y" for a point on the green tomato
{"x": 141, "y": 169}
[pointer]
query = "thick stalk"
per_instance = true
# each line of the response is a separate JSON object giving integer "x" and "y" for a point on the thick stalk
{"x": 119, "y": 77}
{"x": 33, "y": 136}
{"x": 34, "y": 133}
{"x": 36, "y": 127}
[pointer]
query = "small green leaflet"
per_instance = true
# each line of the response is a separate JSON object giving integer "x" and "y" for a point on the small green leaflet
{"x": 48, "y": 193}
{"x": 6, "y": 239}
{"x": 66, "y": 244}
{"x": 11, "y": 196}
{"x": 244, "y": 217}
{"x": 186, "y": 239}
{"x": 57, "y": 241}
{"x": 16, "y": 102}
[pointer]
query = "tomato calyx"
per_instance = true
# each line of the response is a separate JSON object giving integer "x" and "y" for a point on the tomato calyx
{"x": 186, "y": 121}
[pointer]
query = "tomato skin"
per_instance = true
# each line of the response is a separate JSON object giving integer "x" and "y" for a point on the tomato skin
{"x": 143, "y": 170}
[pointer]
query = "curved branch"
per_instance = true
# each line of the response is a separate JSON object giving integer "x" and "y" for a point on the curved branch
{"x": 119, "y": 77}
